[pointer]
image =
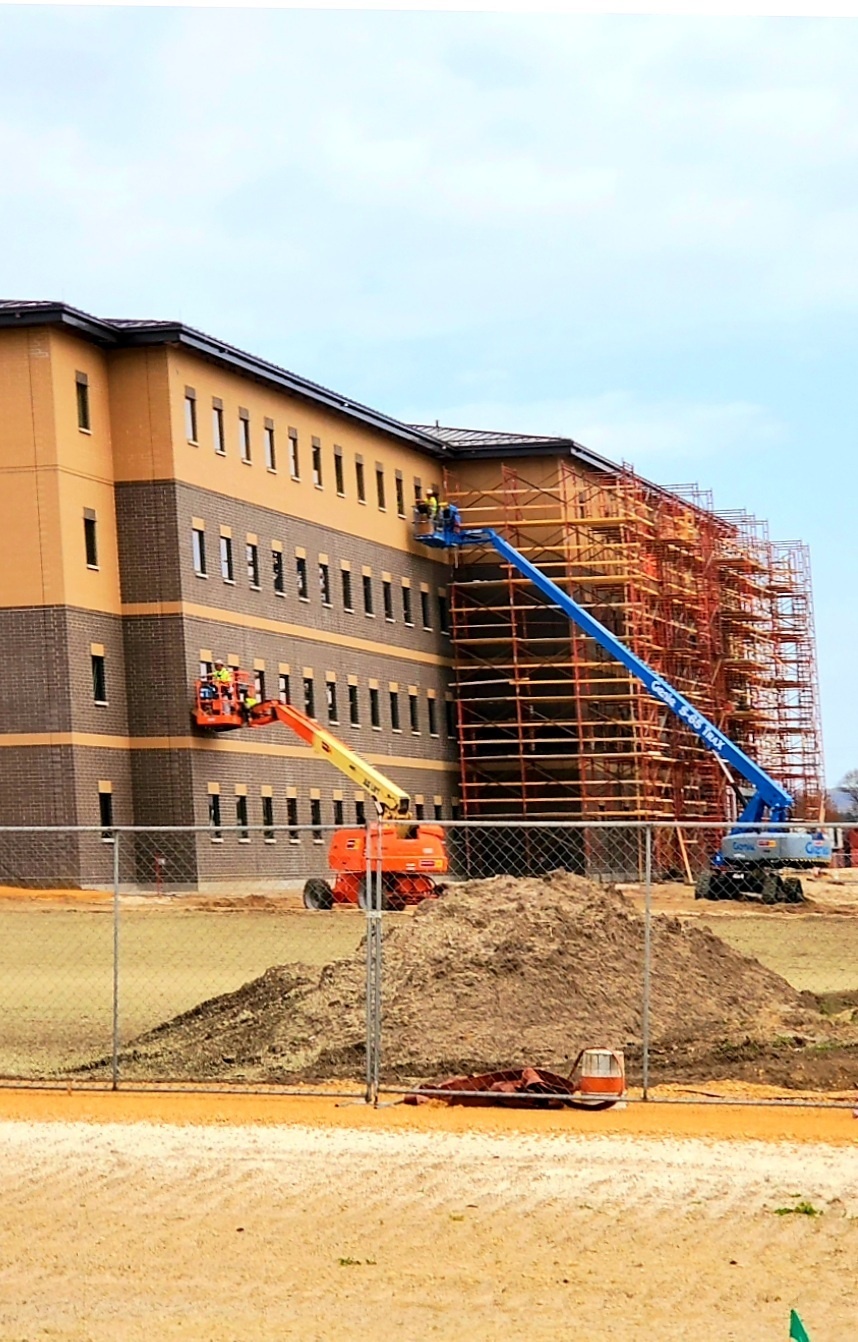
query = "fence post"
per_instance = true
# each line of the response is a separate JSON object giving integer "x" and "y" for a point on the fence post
{"x": 645, "y": 1021}
{"x": 373, "y": 963}
{"x": 115, "y": 1045}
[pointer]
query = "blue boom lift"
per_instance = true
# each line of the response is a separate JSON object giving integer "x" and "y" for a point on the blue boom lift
{"x": 753, "y": 855}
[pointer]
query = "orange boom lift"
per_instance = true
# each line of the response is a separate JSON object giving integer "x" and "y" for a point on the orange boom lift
{"x": 412, "y": 854}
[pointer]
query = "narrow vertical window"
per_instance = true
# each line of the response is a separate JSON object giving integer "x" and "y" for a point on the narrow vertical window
{"x": 82, "y": 390}
{"x": 279, "y": 574}
{"x": 191, "y": 415}
{"x": 241, "y": 819}
{"x": 432, "y": 705}
{"x": 244, "y": 435}
{"x": 325, "y": 584}
{"x": 198, "y": 548}
{"x": 360, "y": 480}
{"x": 413, "y": 713}
{"x": 419, "y": 810}
{"x": 400, "y": 494}
{"x": 270, "y": 448}
{"x": 338, "y": 472}
{"x": 226, "y": 565}
{"x": 367, "y": 595}
{"x": 331, "y": 695}
{"x": 301, "y": 576}
{"x": 218, "y": 433}
{"x": 354, "y": 706}
{"x": 374, "y": 709}
{"x": 292, "y": 819}
{"x": 443, "y": 613}
{"x": 259, "y": 684}
{"x": 309, "y": 697}
{"x": 253, "y": 564}
{"x": 394, "y": 711}
{"x": 206, "y": 669}
{"x": 347, "y": 589}
{"x": 317, "y": 463}
{"x": 214, "y": 815}
{"x": 99, "y": 678}
{"x": 425, "y": 614}
{"x": 406, "y": 605}
{"x": 283, "y": 693}
{"x": 360, "y": 812}
{"x": 316, "y": 819}
{"x": 294, "y": 461}
{"x": 105, "y": 813}
{"x": 379, "y": 487}
{"x": 268, "y": 819}
{"x": 339, "y": 812}
{"x": 90, "y": 537}
{"x": 418, "y": 489}
{"x": 438, "y": 810}
{"x": 387, "y": 598}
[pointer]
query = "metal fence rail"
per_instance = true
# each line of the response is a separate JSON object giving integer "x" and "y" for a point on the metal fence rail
{"x": 141, "y": 957}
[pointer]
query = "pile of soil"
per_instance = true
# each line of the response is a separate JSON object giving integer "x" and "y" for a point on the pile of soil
{"x": 495, "y": 974}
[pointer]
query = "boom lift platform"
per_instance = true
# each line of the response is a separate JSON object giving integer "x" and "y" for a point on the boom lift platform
{"x": 411, "y": 854}
{"x": 760, "y": 845}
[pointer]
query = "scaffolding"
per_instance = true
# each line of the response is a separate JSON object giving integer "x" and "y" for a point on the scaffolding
{"x": 549, "y": 725}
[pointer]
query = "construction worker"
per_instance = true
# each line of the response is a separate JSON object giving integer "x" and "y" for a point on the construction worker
{"x": 249, "y": 700}
{"x": 433, "y": 505}
{"x": 222, "y": 678}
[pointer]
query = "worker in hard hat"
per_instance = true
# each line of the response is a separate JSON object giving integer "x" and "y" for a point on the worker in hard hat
{"x": 222, "y": 677}
{"x": 433, "y": 506}
{"x": 249, "y": 700}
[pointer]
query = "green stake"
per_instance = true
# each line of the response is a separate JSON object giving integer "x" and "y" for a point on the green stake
{"x": 797, "y": 1330}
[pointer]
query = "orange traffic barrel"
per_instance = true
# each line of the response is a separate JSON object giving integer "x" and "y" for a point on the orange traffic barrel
{"x": 603, "y": 1075}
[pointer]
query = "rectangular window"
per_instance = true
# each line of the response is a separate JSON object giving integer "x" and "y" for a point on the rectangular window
{"x": 374, "y": 709}
{"x": 90, "y": 538}
{"x": 190, "y": 415}
{"x": 218, "y": 434}
{"x": 354, "y": 706}
{"x": 325, "y": 584}
{"x": 278, "y": 571}
{"x": 105, "y": 815}
{"x": 309, "y": 697}
{"x": 294, "y": 460}
{"x": 331, "y": 694}
{"x": 360, "y": 813}
{"x": 387, "y": 597}
{"x": 379, "y": 488}
{"x": 268, "y": 819}
{"x": 301, "y": 575}
{"x": 425, "y": 613}
{"x": 450, "y": 717}
{"x": 406, "y": 605}
{"x": 292, "y": 819}
{"x": 418, "y": 490}
{"x": 347, "y": 590}
{"x": 413, "y": 713}
{"x": 338, "y": 472}
{"x": 339, "y": 812}
{"x": 360, "y": 482}
{"x": 198, "y": 546}
{"x": 214, "y": 815}
{"x": 244, "y": 435}
{"x": 419, "y": 811}
{"x": 394, "y": 711}
{"x": 316, "y": 819}
{"x": 99, "y": 679}
{"x": 82, "y": 390}
{"x": 443, "y": 614}
{"x": 367, "y": 595}
{"x": 259, "y": 685}
{"x": 433, "y": 716}
{"x": 317, "y": 463}
{"x": 253, "y": 564}
{"x": 438, "y": 811}
{"x": 226, "y": 568}
{"x": 400, "y": 494}
{"x": 283, "y": 692}
{"x": 206, "y": 669}
{"x": 270, "y": 449}
{"x": 241, "y": 818}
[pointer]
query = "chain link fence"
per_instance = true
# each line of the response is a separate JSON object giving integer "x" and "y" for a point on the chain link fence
{"x": 235, "y": 957}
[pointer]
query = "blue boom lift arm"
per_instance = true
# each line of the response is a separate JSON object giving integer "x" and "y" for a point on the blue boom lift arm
{"x": 769, "y": 802}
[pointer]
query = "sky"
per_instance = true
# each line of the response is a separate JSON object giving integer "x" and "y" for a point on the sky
{"x": 638, "y": 232}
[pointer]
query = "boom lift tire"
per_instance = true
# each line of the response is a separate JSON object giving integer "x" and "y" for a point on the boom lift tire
{"x": 318, "y": 894}
{"x": 702, "y": 885}
{"x": 792, "y": 890}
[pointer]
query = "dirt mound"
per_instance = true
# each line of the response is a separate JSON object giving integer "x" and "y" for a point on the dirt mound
{"x": 497, "y": 972}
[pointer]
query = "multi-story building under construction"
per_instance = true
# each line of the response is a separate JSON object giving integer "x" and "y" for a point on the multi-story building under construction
{"x": 169, "y": 499}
